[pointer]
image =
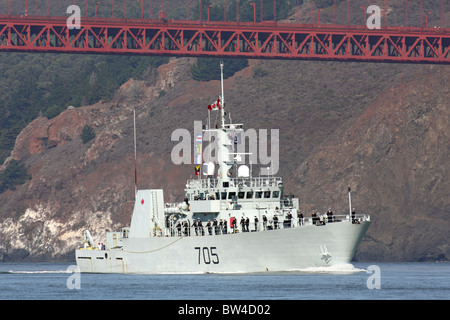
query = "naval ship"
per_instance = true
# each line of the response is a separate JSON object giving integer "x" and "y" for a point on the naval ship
{"x": 226, "y": 224}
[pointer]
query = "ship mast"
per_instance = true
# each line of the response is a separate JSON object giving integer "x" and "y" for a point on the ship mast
{"x": 135, "y": 155}
{"x": 224, "y": 142}
{"x": 222, "y": 97}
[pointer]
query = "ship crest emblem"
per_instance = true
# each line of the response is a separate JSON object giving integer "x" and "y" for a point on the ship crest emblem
{"x": 326, "y": 256}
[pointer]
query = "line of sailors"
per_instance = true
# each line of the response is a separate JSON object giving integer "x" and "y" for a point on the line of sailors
{"x": 218, "y": 227}
{"x": 221, "y": 227}
{"x": 317, "y": 220}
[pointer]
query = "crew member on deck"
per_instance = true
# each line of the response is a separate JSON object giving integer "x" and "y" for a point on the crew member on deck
{"x": 186, "y": 228}
{"x": 330, "y": 215}
{"x": 200, "y": 227}
{"x": 233, "y": 224}
{"x": 209, "y": 227}
{"x": 194, "y": 224}
{"x": 242, "y": 224}
{"x": 289, "y": 219}
{"x": 314, "y": 218}
{"x": 216, "y": 228}
{"x": 220, "y": 226}
{"x": 300, "y": 218}
{"x": 179, "y": 228}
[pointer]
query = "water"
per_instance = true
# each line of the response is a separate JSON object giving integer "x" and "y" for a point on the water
{"x": 406, "y": 281}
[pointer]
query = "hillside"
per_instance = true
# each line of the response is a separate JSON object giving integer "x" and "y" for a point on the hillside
{"x": 395, "y": 157}
{"x": 324, "y": 146}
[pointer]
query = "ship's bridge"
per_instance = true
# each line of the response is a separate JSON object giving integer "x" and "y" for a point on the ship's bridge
{"x": 235, "y": 182}
{"x": 214, "y": 195}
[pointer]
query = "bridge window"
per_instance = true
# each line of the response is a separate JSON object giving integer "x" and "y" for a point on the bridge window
{"x": 250, "y": 195}
{"x": 258, "y": 194}
{"x": 223, "y": 195}
{"x": 276, "y": 194}
{"x": 266, "y": 194}
{"x": 241, "y": 195}
{"x": 231, "y": 195}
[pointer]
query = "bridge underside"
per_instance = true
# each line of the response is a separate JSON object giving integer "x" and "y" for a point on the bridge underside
{"x": 210, "y": 39}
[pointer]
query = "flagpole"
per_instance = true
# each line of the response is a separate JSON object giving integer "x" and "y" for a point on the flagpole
{"x": 135, "y": 155}
{"x": 349, "y": 201}
{"x": 223, "y": 98}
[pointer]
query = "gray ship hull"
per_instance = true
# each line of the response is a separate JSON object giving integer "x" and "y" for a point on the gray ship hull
{"x": 286, "y": 249}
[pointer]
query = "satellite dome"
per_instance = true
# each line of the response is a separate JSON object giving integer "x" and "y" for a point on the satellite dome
{"x": 243, "y": 172}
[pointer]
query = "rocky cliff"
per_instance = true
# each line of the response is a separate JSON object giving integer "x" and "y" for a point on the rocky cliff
{"x": 395, "y": 156}
{"x": 383, "y": 129}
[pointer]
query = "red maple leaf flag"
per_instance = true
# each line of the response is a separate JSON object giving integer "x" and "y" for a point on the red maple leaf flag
{"x": 215, "y": 106}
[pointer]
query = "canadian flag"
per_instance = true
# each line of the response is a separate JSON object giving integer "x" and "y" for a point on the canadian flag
{"x": 215, "y": 106}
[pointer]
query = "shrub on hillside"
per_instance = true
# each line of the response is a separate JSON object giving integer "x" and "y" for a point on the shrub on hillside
{"x": 87, "y": 134}
{"x": 53, "y": 112}
{"x": 15, "y": 174}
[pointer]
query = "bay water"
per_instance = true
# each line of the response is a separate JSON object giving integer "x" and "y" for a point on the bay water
{"x": 357, "y": 281}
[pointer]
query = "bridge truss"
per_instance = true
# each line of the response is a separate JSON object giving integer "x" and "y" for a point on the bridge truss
{"x": 267, "y": 40}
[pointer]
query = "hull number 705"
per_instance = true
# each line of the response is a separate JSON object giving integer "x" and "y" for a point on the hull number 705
{"x": 207, "y": 255}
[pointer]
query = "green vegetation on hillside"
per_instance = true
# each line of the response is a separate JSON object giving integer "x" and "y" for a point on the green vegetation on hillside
{"x": 15, "y": 174}
{"x": 208, "y": 69}
{"x": 87, "y": 134}
{"x": 246, "y": 12}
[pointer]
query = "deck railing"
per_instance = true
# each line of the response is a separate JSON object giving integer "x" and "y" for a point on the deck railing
{"x": 261, "y": 226}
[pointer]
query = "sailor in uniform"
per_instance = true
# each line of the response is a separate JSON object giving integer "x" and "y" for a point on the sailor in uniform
{"x": 330, "y": 215}
{"x": 209, "y": 227}
{"x": 179, "y": 228}
{"x": 275, "y": 221}
{"x": 300, "y": 218}
{"x": 194, "y": 224}
{"x": 242, "y": 224}
{"x": 353, "y": 216}
{"x": 200, "y": 227}
{"x": 216, "y": 228}
{"x": 225, "y": 231}
{"x": 221, "y": 226}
